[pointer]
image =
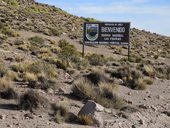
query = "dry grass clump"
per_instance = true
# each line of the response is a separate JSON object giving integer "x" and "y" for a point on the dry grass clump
{"x": 6, "y": 30}
{"x": 18, "y": 67}
{"x": 5, "y": 83}
{"x": 148, "y": 70}
{"x": 95, "y": 59}
{"x": 162, "y": 71}
{"x": 2, "y": 68}
{"x": 96, "y": 77}
{"x": 86, "y": 120}
{"x": 40, "y": 75}
{"x": 8, "y": 94}
{"x": 36, "y": 42}
{"x": 68, "y": 53}
{"x": 131, "y": 77}
{"x": 61, "y": 113}
{"x": 11, "y": 74}
{"x": 104, "y": 93}
{"x": 6, "y": 89}
{"x": 32, "y": 100}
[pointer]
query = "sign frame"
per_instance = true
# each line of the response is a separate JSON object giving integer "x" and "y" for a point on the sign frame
{"x": 91, "y": 32}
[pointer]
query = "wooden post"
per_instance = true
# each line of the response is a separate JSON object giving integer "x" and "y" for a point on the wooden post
{"x": 83, "y": 50}
{"x": 129, "y": 46}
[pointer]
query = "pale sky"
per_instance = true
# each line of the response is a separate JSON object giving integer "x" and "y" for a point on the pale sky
{"x": 150, "y": 15}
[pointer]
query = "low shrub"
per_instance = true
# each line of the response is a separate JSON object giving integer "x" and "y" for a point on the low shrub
{"x": 8, "y": 93}
{"x": 5, "y": 83}
{"x": 104, "y": 94}
{"x": 148, "y": 70}
{"x": 32, "y": 100}
{"x": 95, "y": 59}
{"x": 68, "y": 53}
{"x": 2, "y": 68}
{"x": 61, "y": 113}
{"x": 97, "y": 77}
{"x": 6, "y": 30}
{"x": 86, "y": 120}
{"x": 132, "y": 78}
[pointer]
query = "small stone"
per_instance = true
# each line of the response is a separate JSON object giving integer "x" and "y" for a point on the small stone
{"x": 28, "y": 116}
{"x": 50, "y": 91}
{"x": 9, "y": 125}
{"x": 143, "y": 106}
{"x": 40, "y": 116}
{"x": 141, "y": 122}
{"x": 2, "y": 117}
{"x": 154, "y": 108}
{"x": 107, "y": 110}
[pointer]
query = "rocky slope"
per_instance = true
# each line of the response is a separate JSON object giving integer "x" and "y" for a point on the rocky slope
{"x": 40, "y": 49}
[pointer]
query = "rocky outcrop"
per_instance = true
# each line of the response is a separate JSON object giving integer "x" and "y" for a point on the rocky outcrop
{"x": 93, "y": 110}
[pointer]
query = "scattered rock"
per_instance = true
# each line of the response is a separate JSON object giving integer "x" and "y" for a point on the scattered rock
{"x": 129, "y": 109}
{"x": 144, "y": 106}
{"x": 123, "y": 115}
{"x": 92, "y": 109}
{"x": 167, "y": 113}
{"x": 141, "y": 122}
{"x": 9, "y": 125}
{"x": 154, "y": 108}
{"x": 107, "y": 110}
{"x": 2, "y": 117}
{"x": 50, "y": 91}
{"x": 28, "y": 116}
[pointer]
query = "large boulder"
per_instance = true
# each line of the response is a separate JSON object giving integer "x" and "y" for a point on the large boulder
{"x": 93, "y": 110}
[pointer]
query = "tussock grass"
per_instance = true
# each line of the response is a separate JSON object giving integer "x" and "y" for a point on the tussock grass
{"x": 2, "y": 68}
{"x": 104, "y": 94}
{"x": 32, "y": 100}
{"x": 96, "y": 77}
{"x": 8, "y": 93}
{"x": 61, "y": 113}
{"x": 6, "y": 89}
{"x": 95, "y": 59}
{"x": 132, "y": 77}
{"x": 5, "y": 83}
{"x": 86, "y": 120}
{"x": 148, "y": 70}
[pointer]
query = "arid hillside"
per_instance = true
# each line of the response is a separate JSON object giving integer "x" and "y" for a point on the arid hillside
{"x": 46, "y": 83}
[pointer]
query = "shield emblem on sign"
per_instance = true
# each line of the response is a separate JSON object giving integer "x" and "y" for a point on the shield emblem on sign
{"x": 92, "y": 31}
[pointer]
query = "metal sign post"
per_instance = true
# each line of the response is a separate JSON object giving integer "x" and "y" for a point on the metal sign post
{"x": 107, "y": 33}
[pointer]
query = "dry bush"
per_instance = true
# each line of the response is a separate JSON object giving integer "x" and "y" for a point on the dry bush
{"x": 148, "y": 70}
{"x": 11, "y": 74}
{"x": 18, "y": 67}
{"x": 96, "y": 77}
{"x": 32, "y": 100}
{"x": 2, "y": 69}
{"x": 83, "y": 89}
{"x": 61, "y": 113}
{"x": 6, "y": 89}
{"x": 42, "y": 67}
{"x": 5, "y": 83}
{"x": 148, "y": 80}
{"x": 162, "y": 71}
{"x": 95, "y": 59}
{"x": 8, "y": 31}
{"x": 104, "y": 94}
{"x": 132, "y": 77}
{"x": 86, "y": 120}
{"x": 8, "y": 93}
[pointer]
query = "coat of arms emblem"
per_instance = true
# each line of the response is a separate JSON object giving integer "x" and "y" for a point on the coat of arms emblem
{"x": 92, "y": 31}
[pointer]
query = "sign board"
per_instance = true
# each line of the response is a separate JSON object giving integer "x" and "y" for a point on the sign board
{"x": 107, "y": 33}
